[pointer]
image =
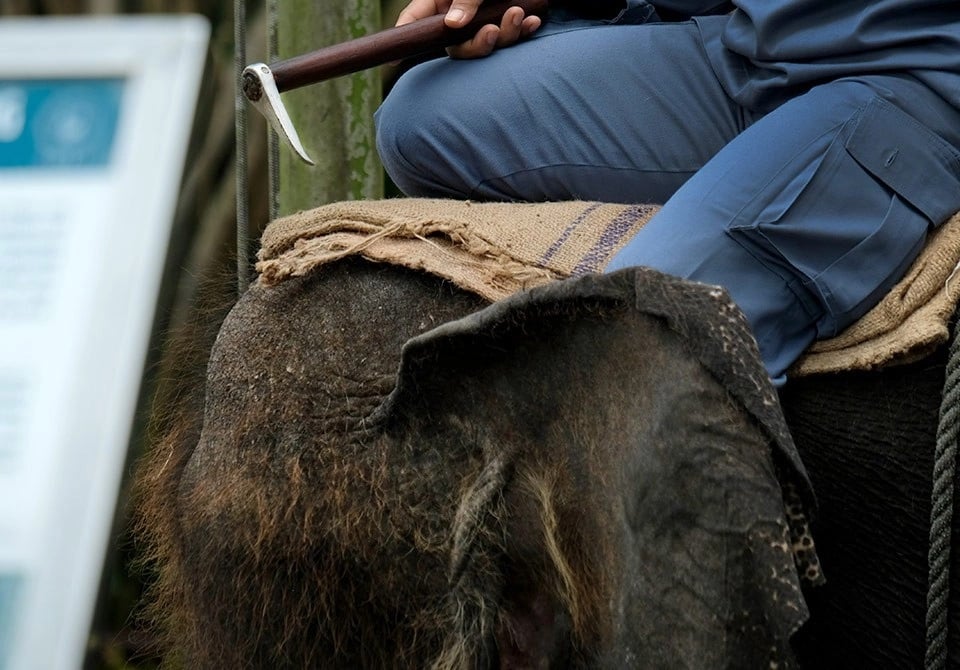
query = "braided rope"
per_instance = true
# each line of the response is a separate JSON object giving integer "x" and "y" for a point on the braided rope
{"x": 941, "y": 513}
{"x": 240, "y": 141}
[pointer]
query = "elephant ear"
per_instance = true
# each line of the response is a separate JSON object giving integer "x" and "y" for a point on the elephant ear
{"x": 638, "y": 499}
{"x": 706, "y": 319}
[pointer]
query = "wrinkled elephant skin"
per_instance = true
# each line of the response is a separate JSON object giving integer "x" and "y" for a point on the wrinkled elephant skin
{"x": 563, "y": 479}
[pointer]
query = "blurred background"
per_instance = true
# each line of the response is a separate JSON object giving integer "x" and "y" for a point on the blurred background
{"x": 200, "y": 279}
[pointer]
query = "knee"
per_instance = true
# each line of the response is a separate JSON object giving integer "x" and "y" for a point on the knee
{"x": 396, "y": 133}
{"x": 416, "y": 137}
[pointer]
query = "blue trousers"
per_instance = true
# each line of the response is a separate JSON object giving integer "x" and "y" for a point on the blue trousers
{"x": 806, "y": 214}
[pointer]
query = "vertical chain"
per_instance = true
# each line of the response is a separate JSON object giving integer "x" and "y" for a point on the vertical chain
{"x": 240, "y": 130}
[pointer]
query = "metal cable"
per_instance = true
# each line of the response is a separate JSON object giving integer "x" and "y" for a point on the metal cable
{"x": 240, "y": 142}
{"x": 941, "y": 513}
{"x": 273, "y": 144}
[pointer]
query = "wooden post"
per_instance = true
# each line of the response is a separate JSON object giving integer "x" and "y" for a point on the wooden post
{"x": 335, "y": 118}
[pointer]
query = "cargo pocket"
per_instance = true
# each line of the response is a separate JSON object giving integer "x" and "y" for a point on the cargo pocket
{"x": 848, "y": 219}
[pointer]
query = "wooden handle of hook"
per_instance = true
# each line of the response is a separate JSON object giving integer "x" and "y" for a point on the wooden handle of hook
{"x": 392, "y": 44}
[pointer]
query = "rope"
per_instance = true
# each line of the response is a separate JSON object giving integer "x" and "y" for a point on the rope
{"x": 941, "y": 513}
{"x": 273, "y": 144}
{"x": 240, "y": 130}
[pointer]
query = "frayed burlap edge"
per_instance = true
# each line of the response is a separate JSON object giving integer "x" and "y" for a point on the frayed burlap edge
{"x": 491, "y": 249}
{"x": 479, "y": 270}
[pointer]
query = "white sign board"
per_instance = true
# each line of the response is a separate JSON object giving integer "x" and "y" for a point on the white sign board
{"x": 95, "y": 117}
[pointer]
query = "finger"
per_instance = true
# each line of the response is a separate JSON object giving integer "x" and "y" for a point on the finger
{"x": 530, "y": 25}
{"x": 479, "y": 46}
{"x": 510, "y": 27}
{"x": 421, "y": 9}
{"x": 461, "y": 12}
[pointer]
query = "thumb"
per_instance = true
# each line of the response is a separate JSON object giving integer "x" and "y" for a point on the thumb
{"x": 461, "y": 12}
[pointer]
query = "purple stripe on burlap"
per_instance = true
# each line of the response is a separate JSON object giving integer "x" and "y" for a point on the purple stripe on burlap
{"x": 565, "y": 235}
{"x": 609, "y": 239}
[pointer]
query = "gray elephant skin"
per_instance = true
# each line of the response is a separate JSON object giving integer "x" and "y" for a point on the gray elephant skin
{"x": 387, "y": 472}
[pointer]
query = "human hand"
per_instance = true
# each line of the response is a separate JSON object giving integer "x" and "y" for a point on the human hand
{"x": 513, "y": 27}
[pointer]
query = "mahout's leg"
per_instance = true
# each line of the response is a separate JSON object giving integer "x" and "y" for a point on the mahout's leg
{"x": 810, "y": 215}
{"x": 619, "y": 113}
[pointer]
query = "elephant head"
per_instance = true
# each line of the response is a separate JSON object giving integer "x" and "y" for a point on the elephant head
{"x": 388, "y": 473}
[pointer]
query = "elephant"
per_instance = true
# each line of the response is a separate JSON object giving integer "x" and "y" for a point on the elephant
{"x": 387, "y": 471}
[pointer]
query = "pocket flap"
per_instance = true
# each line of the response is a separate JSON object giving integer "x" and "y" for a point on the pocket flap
{"x": 908, "y": 157}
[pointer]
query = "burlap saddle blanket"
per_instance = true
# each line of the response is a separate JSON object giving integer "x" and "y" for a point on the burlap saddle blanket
{"x": 495, "y": 249}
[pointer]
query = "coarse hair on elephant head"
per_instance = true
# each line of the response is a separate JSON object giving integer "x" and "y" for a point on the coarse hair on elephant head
{"x": 389, "y": 473}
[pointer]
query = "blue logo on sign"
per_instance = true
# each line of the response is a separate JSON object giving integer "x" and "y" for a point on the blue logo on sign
{"x": 58, "y": 123}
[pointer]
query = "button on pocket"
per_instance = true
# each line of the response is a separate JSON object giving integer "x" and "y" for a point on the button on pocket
{"x": 909, "y": 158}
